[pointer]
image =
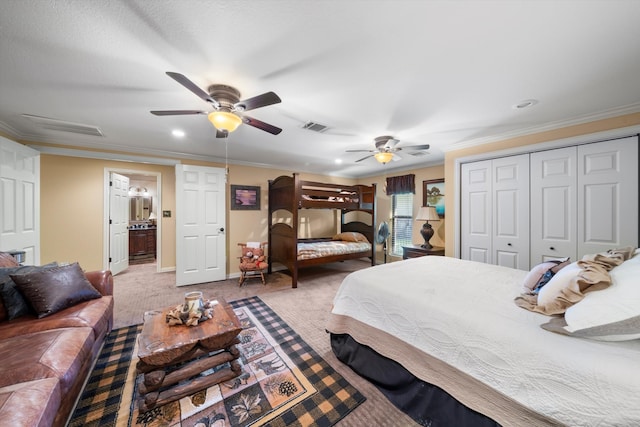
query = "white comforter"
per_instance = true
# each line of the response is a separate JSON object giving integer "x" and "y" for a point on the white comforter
{"x": 463, "y": 313}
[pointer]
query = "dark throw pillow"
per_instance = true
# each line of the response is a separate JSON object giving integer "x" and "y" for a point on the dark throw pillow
{"x": 14, "y": 303}
{"x": 54, "y": 289}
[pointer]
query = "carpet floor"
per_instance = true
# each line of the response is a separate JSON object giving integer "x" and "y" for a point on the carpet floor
{"x": 306, "y": 309}
{"x": 284, "y": 383}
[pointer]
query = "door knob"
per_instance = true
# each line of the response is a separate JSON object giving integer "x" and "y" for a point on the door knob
{"x": 222, "y": 229}
{"x": 552, "y": 248}
{"x": 509, "y": 244}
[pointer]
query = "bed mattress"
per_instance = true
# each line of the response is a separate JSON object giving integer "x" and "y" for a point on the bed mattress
{"x": 332, "y": 247}
{"x": 460, "y": 316}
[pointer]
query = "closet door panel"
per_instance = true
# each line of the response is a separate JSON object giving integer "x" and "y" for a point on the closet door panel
{"x": 511, "y": 211}
{"x": 476, "y": 206}
{"x": 553, "y": 204}
{"x": 608, "y": 191}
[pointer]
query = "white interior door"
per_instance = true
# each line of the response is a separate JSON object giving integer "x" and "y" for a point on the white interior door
{"x": 118, "y": 223}
{"x": 200, "y": 222}
{"x": 511, "y": 211}
{"x": 476, "y": 203}
{"x": 608, "y": 191}
{"x": 20, "y": 200}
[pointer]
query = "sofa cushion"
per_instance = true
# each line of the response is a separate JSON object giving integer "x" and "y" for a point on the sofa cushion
{"x": 14, "y": 302}
{"x": 96, "y": 314}
{"x": 60, "y": 353}
{"x": 31, "y": 403}
{"x": 54, "y": 289}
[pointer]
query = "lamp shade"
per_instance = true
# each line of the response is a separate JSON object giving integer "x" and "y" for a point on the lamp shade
{"x": 383, "y": 157}
{"x": 427, "y": 213}
{"x": 223, "y": 120}
{"x": 152, "y": 215}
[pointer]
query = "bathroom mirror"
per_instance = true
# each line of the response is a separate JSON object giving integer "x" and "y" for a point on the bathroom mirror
{"x": 140, "y": 208}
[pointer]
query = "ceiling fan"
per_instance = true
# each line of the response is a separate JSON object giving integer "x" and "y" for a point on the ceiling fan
{"x": 227, "y": 107}
{"x": 386, "y": 149}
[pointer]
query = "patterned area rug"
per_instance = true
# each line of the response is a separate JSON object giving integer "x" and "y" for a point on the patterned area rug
{"x": 284, "y": 383}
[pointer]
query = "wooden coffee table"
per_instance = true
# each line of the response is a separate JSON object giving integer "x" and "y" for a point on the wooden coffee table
{"x": 168, "y": 355}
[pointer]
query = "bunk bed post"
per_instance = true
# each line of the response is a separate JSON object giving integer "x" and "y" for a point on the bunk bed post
{"x": 297, "y": 195}
{"x": 269, "y": 225}
{"x": 373, "y": 226}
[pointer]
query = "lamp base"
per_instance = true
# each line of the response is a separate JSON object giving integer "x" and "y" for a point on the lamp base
{"x": 427, "y": 234}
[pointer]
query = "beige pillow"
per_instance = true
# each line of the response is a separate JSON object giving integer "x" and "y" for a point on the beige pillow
{"x": 350, "y": 236}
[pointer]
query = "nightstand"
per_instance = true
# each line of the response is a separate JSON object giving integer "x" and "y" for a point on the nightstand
{"x": 415, "y": 251}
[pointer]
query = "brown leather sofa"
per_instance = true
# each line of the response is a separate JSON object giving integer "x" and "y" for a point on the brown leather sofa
{"x": 44, "y": 362}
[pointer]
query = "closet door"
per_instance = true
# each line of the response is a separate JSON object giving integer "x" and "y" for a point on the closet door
{"x": 553, "y": 204}
{"x": 511, "y": 211}
{"x": 476, "y": 204}
{"x": 607, "y": 195}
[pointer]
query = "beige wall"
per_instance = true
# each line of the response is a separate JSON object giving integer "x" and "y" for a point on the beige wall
{"x": 72, "y": 209}
{"x": 383, "y": 212}
{"x": 553, "y": 135}
{"x": 72, "y": 200}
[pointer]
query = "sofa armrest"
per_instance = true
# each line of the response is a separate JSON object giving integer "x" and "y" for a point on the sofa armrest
{"x": 101, "y": 280}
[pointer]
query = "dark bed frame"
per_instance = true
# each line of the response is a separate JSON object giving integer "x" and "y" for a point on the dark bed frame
{"x": 290, "y": 193}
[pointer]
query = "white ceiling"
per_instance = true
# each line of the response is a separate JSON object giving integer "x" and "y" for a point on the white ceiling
{"x": 444, "y": 73}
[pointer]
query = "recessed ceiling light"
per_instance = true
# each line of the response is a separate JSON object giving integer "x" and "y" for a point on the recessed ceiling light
{"x": 525, "y": 104}
{"x": 338, "y": 161}
{"x": 177, "y": 133}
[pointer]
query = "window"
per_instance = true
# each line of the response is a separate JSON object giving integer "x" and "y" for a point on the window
{"x": 402, "y": 222}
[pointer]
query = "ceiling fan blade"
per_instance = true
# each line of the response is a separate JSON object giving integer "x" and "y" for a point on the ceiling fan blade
{"x": 417, "y": 147}
{"x": 391, "y": 143}
{"x": 359, "y": 151}
{"x": 193, "y": 88}
{"x": 261, "y": 125}
{"x": 364, "y": 158}
{"x": 263, "y": 100}
{"x": 177, "y": 112}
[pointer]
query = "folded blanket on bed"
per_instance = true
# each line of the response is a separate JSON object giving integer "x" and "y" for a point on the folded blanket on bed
{"x": 592, "y": 276}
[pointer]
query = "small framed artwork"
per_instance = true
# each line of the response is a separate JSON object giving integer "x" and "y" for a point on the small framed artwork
{"x": 433, "y": 195}
{"x": 245, "y": 198}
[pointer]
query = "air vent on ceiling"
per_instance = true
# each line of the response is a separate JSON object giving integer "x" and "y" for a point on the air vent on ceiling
{"x": 316, "y": 127}
{"x": 62, "y": 126}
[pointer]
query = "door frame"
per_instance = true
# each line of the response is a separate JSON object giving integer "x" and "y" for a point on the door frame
{"x": 106, "y": 236}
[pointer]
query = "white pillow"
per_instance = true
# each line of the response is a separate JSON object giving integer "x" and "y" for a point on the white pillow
{"x": 611, "y": 314}
{"x": 558, "y": 282}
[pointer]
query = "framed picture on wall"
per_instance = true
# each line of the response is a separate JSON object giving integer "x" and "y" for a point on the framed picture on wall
{"x": 245, "y": 198}
{"x": 433, "y": 195}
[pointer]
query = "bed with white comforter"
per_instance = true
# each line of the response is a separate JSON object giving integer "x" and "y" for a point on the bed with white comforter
{"x": 454, "y": 324}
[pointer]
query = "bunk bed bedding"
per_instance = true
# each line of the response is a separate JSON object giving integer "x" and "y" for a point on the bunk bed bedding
{"x": 454, "y": 324}
{"x": 330, "y": 248}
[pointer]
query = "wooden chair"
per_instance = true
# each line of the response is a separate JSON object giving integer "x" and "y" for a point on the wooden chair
{"x": 253, "y": 262}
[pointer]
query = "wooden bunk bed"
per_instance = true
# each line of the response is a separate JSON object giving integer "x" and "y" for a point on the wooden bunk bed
{"x": 290, "y": 193}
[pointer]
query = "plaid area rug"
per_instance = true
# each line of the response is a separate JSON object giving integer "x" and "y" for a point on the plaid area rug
{"x": 284, "y": 383}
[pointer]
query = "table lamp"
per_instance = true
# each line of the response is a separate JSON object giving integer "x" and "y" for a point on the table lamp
{"x": 427, "y": 213}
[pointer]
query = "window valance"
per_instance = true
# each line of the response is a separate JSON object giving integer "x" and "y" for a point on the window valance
{"x": 401, "y": 184}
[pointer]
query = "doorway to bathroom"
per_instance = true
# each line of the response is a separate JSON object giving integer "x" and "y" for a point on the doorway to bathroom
{"x": 132, "y": 230}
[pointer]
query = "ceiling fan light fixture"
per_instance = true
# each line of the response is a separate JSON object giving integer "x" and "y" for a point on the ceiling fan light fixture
{"x": 224, "y": 120}
{"x": 383, "y": 157}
